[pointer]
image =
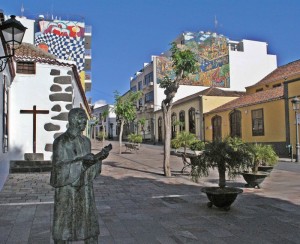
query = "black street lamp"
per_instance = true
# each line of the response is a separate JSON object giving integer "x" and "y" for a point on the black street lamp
{"x": 11, "y": 33}
{"x": 296, "y": 106}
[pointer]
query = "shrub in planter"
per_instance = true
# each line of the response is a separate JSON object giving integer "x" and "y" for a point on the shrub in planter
{"x": 231, "y": 155}
{"x": 183, "y": 139}
{"x": 101, "y": 136}
{"x": 197, "y": 146}
{"x": 135, "y": 138}
{"x": 263, "y": 155}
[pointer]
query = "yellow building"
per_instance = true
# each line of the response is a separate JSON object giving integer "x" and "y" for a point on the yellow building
{"x": 189, "y": 111}
{"x": 264, "y": 114}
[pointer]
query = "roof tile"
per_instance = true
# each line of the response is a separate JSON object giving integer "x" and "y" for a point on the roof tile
{"x": 280, "y": 73}
{"x": 251, "y": 99}
{"x": 211, "y": 91}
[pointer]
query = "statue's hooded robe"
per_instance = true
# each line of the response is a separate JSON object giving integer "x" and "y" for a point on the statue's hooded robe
{"x": 75, "y": 213}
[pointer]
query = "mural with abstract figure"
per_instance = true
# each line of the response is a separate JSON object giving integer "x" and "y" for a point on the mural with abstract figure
{"x": 211, "y": 51}
{"x": 64, "y": 39}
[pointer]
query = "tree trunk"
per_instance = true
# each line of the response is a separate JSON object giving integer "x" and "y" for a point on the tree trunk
{"x": 120, "y": 136}
{"x": 167, "y": 137}
{"x": 104, "y": 134}
{"x": 222, "y": 175}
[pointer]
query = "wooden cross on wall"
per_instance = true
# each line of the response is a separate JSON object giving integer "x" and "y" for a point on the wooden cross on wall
{"x": 34, "y": 112}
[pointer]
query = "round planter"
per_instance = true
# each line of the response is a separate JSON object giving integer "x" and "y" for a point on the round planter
{"x": 254, "y": 180}
{"x": 221, "y": 197}
{"x": 265, "y": 168}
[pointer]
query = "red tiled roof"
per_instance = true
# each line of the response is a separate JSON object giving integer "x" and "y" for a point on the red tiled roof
{"x": 251, "y": 99}
{"x": 28, "y": 51}
{"x": 281, "y": 72}
{"x": 211, "y": 91}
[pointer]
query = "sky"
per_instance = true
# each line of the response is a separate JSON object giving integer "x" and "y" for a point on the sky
{"x": 125, "y": 33}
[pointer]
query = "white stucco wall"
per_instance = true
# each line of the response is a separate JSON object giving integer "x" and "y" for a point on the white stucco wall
{"x": 251, "y": 65}
{"x": 110, "y": 119}
{"x": 29, "y": 33}
{"x": 4, "y": 157}
{"x": 29, "y": 90}
{"x": 183, "y": 91}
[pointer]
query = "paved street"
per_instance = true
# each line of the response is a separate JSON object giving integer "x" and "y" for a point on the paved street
{"x": 137, "y": 204}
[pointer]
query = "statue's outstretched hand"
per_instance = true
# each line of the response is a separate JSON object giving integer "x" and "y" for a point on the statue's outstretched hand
{"x": 104, "y": 153}
{"x": 89, "y": 159}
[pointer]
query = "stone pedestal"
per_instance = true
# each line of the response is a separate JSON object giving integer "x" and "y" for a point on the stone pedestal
{"x": 26, "y": 166}
{"x": 34, "y": 156}
{"x": 34, "y": 162}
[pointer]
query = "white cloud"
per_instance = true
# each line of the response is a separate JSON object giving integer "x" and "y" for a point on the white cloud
{"x": 99, "y": 103}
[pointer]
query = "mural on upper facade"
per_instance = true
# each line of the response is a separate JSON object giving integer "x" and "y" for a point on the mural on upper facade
{"x": 64, "y": 39}
{"x": 211, "y": 51}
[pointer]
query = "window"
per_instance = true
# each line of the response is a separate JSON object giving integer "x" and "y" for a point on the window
{"x": 235, "y": 123}
{"x": 140, "y": 102}
{"x": 140, "y": 85}
{"x": 133, "y": 88}
{"x": 100, "y": 118}
{"x": 259, "y": 90}
{"x": 182, "y": 121}
{"x": 192, "y": 127}
{"x": 257, "y": 122}
{"x": 149, "y": 97}
{"x": 216, "y": 122}
{"x": 148, "y": 78}
{"x": 173, "y": 120}
{"x": 5, "y": 117}
{"x": 26, "y": 67}
{"x": 159, "y": 127}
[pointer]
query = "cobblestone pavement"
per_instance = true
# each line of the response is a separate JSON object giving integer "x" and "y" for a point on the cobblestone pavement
{"x": 137, "y": 204}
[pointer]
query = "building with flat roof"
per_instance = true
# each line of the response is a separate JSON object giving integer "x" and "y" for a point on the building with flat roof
{"x": 68, "y": 38}
{"x": 223, "y": 63}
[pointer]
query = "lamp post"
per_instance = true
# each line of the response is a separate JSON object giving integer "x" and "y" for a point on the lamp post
{"x": 11, "y": 33}
{"x": 296, "y": 106}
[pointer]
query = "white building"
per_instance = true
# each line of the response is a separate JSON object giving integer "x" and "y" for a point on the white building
{"x": 68, "y": 39}
{"x": 6, "y": 79}
{"x": 109, "y": 123}
{"x": 41, "y": 82}
{"x": 223, "y": 63}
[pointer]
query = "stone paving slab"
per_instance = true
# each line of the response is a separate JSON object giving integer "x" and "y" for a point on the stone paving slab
{"x": 137, "y": 204}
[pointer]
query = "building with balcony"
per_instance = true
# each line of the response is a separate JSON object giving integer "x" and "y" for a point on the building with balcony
{"x": 223, "y": 63}
{"x": 107, "y": 124}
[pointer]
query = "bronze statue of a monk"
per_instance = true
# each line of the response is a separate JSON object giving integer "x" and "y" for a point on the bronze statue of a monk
{"x": 74, "y": 169}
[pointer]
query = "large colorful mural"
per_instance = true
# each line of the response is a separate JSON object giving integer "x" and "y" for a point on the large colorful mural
{"x": 211, "y": 51}
{"x": 64, "y": 39}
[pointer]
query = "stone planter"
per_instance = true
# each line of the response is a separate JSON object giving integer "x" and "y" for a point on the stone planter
{"x": 265, "y": 168}
{"x": 254, "y": 179}
{"x": 221, "y": 197}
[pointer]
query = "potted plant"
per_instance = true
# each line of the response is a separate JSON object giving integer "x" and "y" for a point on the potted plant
{"x": 231, "y": 155}
{"x": 268, "y": 158}
{"x": 263, "y": 159}
{"x": 135, "y": 138}
{"x": 197, "y": 146}
{"x": 183, "y": 139}
{"x": 101, "y": 136}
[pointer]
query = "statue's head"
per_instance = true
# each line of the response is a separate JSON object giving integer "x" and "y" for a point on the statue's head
{"x": 77, "y": 118}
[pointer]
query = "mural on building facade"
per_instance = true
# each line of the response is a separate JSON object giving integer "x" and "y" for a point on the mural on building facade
{"x": 64, "y": 39}
{"x": 212, "y": 54}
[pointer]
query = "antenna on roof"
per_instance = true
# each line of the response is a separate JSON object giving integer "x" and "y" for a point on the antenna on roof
{"x": 216, "y": 23}
{"x": 52, "y": 11}
{"x": 22, "y": 10}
